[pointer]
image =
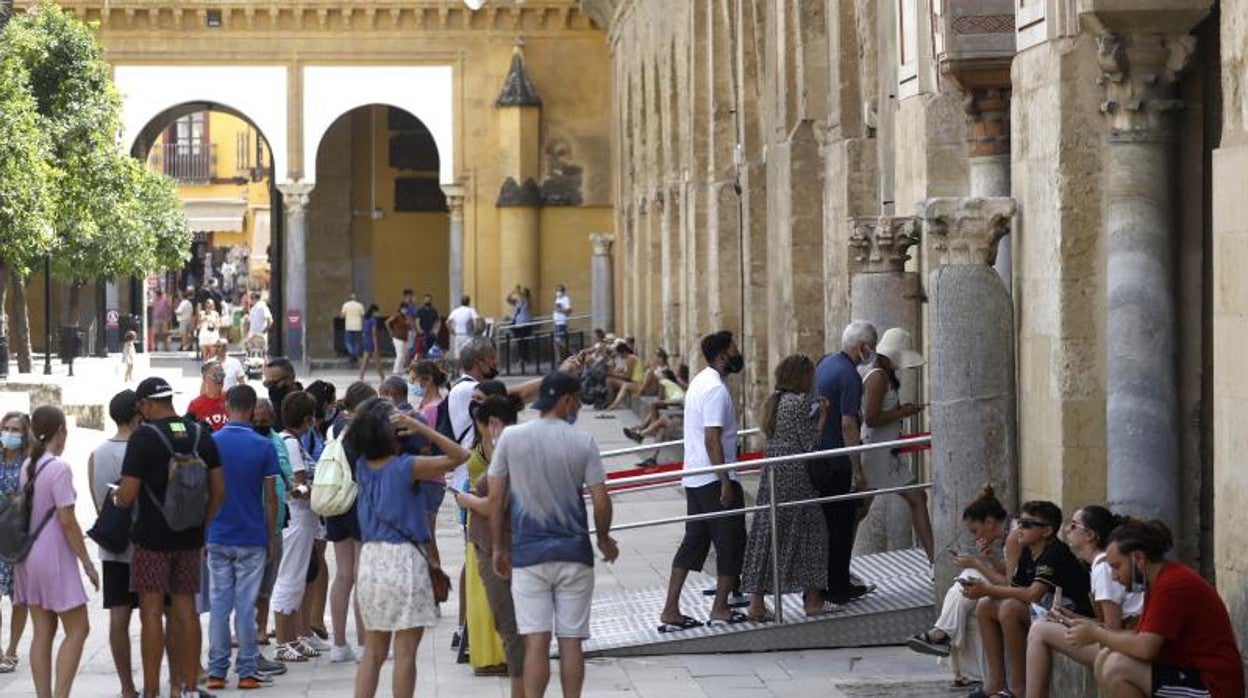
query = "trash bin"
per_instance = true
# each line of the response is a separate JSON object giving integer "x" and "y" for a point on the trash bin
{"x": 130, "y": 323}
{"x": 70, "y": 342}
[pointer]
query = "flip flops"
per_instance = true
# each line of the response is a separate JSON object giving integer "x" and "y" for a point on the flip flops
{"x": 923, "y": 643}
{"x": 686, "y": 623}
{"x": 733, "y": 619}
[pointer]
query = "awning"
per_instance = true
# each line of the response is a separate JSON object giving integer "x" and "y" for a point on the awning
{"x": 215, "y": 215}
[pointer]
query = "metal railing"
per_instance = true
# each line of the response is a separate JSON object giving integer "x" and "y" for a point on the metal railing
{"x": 771, "y": 506}
{"x": 188, "y": 161}
{"x": 665, "y": 444}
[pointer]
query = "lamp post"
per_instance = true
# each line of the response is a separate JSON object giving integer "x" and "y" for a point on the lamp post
{"x": 47, "y": 314}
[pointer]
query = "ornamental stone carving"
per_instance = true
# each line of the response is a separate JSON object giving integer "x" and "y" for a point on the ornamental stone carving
{"x": 880, "y": 244}
{"x": 295, "y": 197}
{"x": 1139, "y": 73}
{"x": 965, "y": 230}
{"x": 601, "y": 243}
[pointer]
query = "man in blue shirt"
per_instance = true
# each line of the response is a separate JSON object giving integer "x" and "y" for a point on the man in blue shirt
{"x": 240, "y": 539}
{"x": 837, "y": 380}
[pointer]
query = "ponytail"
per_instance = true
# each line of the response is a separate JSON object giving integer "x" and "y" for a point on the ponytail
{"x": 45, "y": 422}
{"x": 1152, "y": 537}
{"x": 985, "y": 506}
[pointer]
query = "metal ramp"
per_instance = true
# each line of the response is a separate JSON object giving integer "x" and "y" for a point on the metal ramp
{"x": 902, "y": 604}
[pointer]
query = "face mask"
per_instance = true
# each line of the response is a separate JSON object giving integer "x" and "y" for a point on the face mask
{"x": 489, "y": 373}
{"x": 868, "y": 357}
{"x": 735, "y": 364}
{"x": 263, "y": 431}
{"x": 10, "y": 441}
{"x": 415, "y": 392}
{"x": 571, "y": 419}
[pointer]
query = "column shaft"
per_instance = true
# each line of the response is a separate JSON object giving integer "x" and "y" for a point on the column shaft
{"x": 455, "y": 202}
{"x": 295, "y": 269}
{"x": 602, "y": 280}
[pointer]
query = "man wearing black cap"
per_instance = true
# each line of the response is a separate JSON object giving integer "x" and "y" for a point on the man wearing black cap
{"x": 166, "y": 563}
{"x": 540, "y": 468}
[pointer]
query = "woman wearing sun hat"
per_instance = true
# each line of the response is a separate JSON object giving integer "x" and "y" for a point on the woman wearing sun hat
{"x": 882, "y": 413}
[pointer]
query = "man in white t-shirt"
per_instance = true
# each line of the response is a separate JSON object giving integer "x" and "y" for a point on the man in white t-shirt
{"x": 710, "y": 439}
{"x": 259, "y": 322}
{"x": 353, "y": 326}
{"x": 235, "y": 374}
{"x": 559, "y": 317}
{"x": 462, "y": 322}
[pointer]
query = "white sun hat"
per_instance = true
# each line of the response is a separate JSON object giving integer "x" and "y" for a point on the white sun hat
{"x": 896, "y": 346}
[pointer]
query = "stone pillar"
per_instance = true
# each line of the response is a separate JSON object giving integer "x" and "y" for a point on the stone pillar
{"x": 988, "y": 147}
{"x": 519, "y": 238}
{"x": 455, "y": 203}
{"x": 1141, "y": 55}
{"x": 602, "y": 280}
{"x": 886, "y": 295}
{"x": 970, "y": 363}
{"x": 294, "y": 318}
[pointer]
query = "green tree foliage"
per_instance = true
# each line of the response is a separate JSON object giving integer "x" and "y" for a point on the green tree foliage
{"x": 25, "y": 173}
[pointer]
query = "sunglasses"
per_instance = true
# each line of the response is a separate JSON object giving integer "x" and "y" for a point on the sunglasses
{"x": 1072, "y": 525}
{"x": 1031, "y": 523}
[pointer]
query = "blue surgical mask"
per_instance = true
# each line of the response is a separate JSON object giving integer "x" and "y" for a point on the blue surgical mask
{"x": 571, "y": 419}
{"x": 10, "y": 441}
{"x": 415, "y": 391}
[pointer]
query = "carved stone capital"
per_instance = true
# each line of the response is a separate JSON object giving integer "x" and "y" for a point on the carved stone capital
{"x": 965, "y": 231}
{"x": 988, "y": 114}
{"x": 601, "y": 243}
{"x": 1139, "y": 74}
{"x": 295, "y": 197}
{"x": 881, "y": 243}
{"x": 454, "y": 200}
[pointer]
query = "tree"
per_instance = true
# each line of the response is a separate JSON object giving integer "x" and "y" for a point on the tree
{"x": 111, "y": 218}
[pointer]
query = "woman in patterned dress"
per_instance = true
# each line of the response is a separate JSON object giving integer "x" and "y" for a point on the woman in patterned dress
{"x": 790, "y": 429}
{"x": 393, "y": 585}
{"x": 14, "y": 442}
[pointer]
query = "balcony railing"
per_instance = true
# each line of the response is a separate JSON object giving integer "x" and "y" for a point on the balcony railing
{"x": 188, "y": 161}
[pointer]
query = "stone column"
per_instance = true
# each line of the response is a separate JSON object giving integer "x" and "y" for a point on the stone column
{"x": 970, "y": 362}
{"x": 1139, "y": 72}
{"x": 293, "y": 318}
{"x": 602, "y": 279}
{"x": 886, "y": 295}
{"x": 988, "y": 148}
{"x": 455, "y": 203}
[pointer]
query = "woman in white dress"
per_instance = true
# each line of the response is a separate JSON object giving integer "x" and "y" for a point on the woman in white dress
{"x": 882, "y": 413}
{"x": 209, "y": 330}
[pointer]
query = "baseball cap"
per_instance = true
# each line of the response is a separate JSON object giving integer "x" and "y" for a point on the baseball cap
{"x": 554, "y": 386}
{"x": 123, "y": 406}
{"x": 154, "y": 388}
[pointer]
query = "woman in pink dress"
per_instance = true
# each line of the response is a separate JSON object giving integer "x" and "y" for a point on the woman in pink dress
{"x": 47, "y": 581}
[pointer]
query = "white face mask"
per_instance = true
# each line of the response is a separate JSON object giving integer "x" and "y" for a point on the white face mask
{"x": 868, "y": 357}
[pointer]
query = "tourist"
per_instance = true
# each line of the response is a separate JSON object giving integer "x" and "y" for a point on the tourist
{"x": 394, "y": 582}
{"x": 263, "y": 420}
{"x": 542, "y": 469}
{"x": 428, "y": 321}
{"x": 299, "y": 537}
{"x": 165, "y": 565}
{"x": 343, "y": 532}
{"x": 399, "y": 326}
{"x": 209, "y": 406}
{"x": 1087, "y": 533}
{"x": 627, "y": 379}
{"x": 235, "y": 374}
{"x": 185, "y": 314}
{"x": 462, "y": 322}
{"x": 14, "y": 446}
{"x": 801, "y": 532}
{"x": 661, "y": 417}
{"x": 104, "y": 472}
{"x": 371, "y": 342}
{"x": 838, "y": 382}
{"x": 492, "y": 417}
{"x": 710, "y": 440}
{"x": 882, "y": 412}
{"x": 426, "y": 386}
{"x": 1045, "y": 564}
{"x": 240, "y": 539}
{"x": 408, "y": 307}
{"x": 956, "y": 634}
{"x": 259, "y": 320}
{"x": 161, "y": 312}
{"x": 1183, "y": 645}
{"x": 559, "y": 318}
{"x": 521, "y": 302}
{"x": 46, "y": 581}
{"x": 209, "y": 329}
{"x": 279, "y": 381}
{"x": 352, "y": 313}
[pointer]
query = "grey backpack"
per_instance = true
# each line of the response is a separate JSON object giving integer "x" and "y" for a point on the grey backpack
{"x": 16, "y": 538}
{"x": 185, "y": 505}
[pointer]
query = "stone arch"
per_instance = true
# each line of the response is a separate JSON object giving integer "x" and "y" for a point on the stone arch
{"x": 425, "y": 92}
{"x": 155, "y": 95}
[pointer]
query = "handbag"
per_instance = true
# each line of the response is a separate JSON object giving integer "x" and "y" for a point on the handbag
{"x": 111, "y": 530}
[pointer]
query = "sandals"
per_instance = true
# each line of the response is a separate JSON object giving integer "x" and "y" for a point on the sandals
{"x": 924, "y": 643}
{"x": 979, "y": 693}
{"x": 734, "y": 618}
{"x": 686, "y": 623}
{"x": 766, "y": 617}
{"x": 8, "y": 664}
{"x": 289, "y": 652}
{"x": 825, "y": 609}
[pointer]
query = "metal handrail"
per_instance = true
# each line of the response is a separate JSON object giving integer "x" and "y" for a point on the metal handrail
{"x": 665, "y": 444}
{"x": 540, "y": 320}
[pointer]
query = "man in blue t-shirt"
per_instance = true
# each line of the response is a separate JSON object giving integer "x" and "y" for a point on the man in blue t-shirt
{"x": 540, "y": 468}
{"x": 837, "y": 381}
{"x": 240, "y": 539}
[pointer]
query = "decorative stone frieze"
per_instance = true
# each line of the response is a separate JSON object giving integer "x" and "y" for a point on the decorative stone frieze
{"x": 881, "y": 244}
{"x": 965, "y": 230}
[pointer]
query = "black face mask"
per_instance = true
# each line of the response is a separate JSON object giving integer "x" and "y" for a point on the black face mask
{"x": 735, "y": 364}
{"x": 277, "y": 392}
{"x": 428, "y": 304}
{"x": 489, "y": 373}
{"x": 263, "y": 431}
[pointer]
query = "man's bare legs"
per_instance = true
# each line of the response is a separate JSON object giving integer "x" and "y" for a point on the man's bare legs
{"x": 152, "y": 641}
{"x": 119, "y": 645}
{"x": 1120, "y": 676}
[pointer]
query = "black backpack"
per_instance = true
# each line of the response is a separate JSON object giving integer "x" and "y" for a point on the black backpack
{"x": 442, "y": 423}
{"x": 16, "y": 538}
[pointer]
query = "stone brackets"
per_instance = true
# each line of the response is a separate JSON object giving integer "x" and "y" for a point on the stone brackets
{"x": 880, "y": 244}
{"x": 965, "y": 230}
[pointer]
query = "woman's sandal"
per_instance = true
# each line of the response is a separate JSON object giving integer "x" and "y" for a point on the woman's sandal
{"x": 766, "y": 617}
{"x": 8, "y": 664}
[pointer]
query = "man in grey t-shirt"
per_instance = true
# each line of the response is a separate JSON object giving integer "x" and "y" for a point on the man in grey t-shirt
{"x": 540, "y": 469}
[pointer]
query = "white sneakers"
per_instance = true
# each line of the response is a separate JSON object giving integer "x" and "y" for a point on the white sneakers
{"x": 315, "y": 643}
{"x": 342, "y": 653}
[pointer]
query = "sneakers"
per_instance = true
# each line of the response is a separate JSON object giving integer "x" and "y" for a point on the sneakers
{"x": 268, "y": 667}
{"x": 289, "y": 652}
{"x": 315, "y": 643}
{"x": 632, "y": 434}
{"x": 457, "y": 636}
{"x": 248, "y": 683}
{"x": 342, "y": 653}
{"x": 305, "y": 649}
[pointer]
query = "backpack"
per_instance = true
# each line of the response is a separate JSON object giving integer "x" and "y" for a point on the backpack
{"x": 185, "y": 505}
{"x": 333, "y": 486}
{"x": 16, "y": 538}
{"x": 442, "y": 424}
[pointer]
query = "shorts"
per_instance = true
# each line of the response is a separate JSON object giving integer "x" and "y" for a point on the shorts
{"x": 1175, "y": 681}
{"x": 727, "y": 534}
{"x": 270, "y": 570}
{"x": 561, "y": 592}
{"x": 115, "y": 583}
{"x": 342, "y": 527}
{"x": 561, "y": 334}
{"x": 166, "y": 571}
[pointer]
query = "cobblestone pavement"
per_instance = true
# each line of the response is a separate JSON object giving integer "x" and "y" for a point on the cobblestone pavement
{"x": 644, "y": 560}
